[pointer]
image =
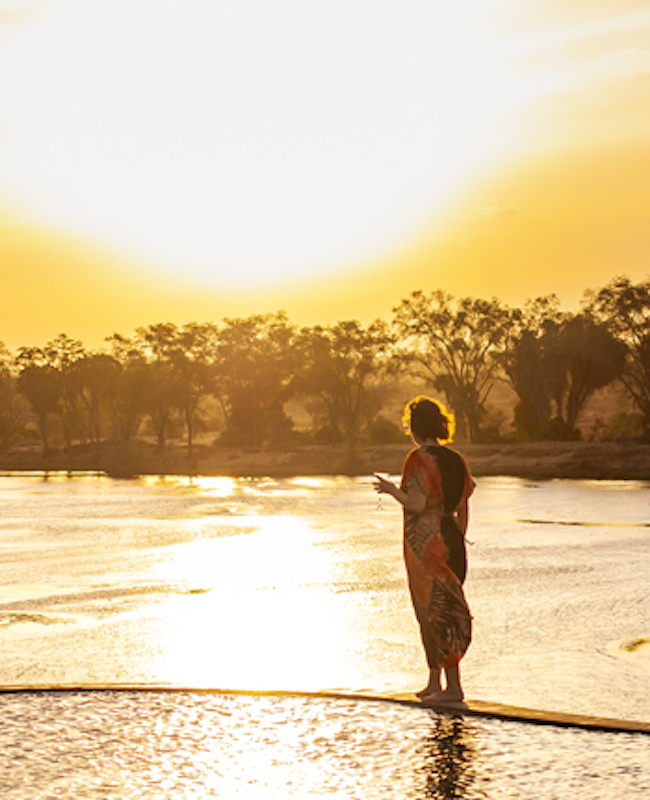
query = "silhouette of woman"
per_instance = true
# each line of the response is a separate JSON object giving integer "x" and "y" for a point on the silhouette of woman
{"x": 434, "y": 491}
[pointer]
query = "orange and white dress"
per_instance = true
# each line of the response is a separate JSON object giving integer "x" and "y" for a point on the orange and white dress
{"x": 434, "y": 552}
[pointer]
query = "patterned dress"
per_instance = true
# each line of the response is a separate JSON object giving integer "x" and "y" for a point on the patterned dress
{"x": 434, "y": 552}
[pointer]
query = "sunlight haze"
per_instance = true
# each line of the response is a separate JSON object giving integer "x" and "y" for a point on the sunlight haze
{"x": 201, "y": 159}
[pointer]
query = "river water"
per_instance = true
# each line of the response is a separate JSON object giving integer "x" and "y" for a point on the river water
{"x": 298, "y": 585}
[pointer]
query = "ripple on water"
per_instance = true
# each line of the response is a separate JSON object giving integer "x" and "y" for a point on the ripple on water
{"x": 636, "y": 645}
{"x": 194, "y": 745}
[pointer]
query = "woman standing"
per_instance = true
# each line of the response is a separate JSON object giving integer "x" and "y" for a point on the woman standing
{"x": 434, "y": 491}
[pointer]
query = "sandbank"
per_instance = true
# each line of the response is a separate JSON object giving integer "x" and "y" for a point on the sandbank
{"x": 533, "y": 460}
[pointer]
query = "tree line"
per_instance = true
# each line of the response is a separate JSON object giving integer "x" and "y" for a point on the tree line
{"x": 342, "y": 376}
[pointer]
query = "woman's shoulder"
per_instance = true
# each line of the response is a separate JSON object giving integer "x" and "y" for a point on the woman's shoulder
{"x": 415, "y": 458}
{"x": 435, "y": 456}
{"x": 412, "y": 455}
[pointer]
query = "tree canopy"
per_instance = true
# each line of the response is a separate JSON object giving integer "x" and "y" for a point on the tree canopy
{"x": 624, "y": 308}
{"x": 452, "y": 345}
{"x": 245, "y": 378}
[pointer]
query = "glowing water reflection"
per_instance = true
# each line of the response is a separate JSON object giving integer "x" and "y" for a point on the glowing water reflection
{"x": 262, "y": 615}
{"x": 189, "y": 745}
{"x": 299, "y": 584}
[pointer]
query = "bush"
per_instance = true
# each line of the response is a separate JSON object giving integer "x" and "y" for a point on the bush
{"x": 625, "y": 425}
{"x": 328, "y": 434}
{"x": 383, "y": 431}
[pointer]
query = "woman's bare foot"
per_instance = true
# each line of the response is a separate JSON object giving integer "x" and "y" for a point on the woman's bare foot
{"x": 430, "y": 688}
{"x": 443, "y": 696}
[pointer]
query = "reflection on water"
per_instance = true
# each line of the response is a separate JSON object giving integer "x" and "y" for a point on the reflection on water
{"x": 448, "y": 759}
{"x": 188, "y": 745}
{"x": 264, "y": 615}
{"x": 299, "y": 585}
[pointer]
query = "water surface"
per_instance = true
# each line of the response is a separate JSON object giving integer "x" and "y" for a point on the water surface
{"x": 140, "y": 745}
{"x": 299, "y": 585}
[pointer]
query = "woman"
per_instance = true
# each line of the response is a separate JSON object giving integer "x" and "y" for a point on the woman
{"x": 435, "y": 487}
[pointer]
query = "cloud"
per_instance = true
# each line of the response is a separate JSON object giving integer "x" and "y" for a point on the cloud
{"x": 598, "y": 52}
{"x": 586, "y": 81}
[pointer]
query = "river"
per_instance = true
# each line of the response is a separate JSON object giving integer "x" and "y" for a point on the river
{"x": 262, "y": 585}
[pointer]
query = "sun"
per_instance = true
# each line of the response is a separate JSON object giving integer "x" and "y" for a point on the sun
{"x": 231, "y": 143}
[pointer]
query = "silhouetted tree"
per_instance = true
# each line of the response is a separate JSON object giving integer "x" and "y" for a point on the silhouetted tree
{"x": 453, "y": 346}
{"x": 555, "y": 365}
{"x": 42, "y": 386}
{"x": 255, "y": 363}
{"x": 96, "y": 380}
{"x": 14, "y": 412}
{"x": 624, "y": 308}
{"x": 194, "y": 362}
{"x": 62, "y": 354}
{"x": 127, "y": 393}
{"x": 592, "y": 358}
{"x": 531, "y": 366}
{"x": 161, "y": 386}
{"x": 341, "y": 374}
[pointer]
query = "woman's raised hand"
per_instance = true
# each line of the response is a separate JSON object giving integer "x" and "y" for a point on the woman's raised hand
{"x": 381, "y": 483}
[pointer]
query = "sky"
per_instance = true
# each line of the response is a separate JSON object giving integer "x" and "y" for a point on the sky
{"x": 189, "y": 161}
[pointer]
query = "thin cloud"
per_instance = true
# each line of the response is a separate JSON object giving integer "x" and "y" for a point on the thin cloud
{"x": 595, "y": 53}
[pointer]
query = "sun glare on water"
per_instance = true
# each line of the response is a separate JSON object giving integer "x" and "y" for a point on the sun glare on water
{"x": 256, "y": 592}
{"x": 236, "y": 142}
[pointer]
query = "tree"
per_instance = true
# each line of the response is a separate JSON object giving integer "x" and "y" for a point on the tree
{"x": 160, "y": 397}
{"x": 531, "y": 368}
{"x": 592, "y": 358}
{"x": 48, "y": 378}
{"x": 62, "y": 354}
{"x": 342, "y": 368}
{"x": 96, "y": 378}
{"x": 624, "y": 308}
{"x": 531, "y": 371}
{"x": 255, "y": 362}
{"x": 13, "y": 406}
{"x": 41, "y": 385}
{"x": 453, "y": 346}
{"x": 194, "y": 360}
{"x": 128, "y": 391}
{"x": 555, "y": 364}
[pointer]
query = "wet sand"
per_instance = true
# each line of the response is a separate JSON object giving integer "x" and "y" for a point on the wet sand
{"x": 535, "y": 460}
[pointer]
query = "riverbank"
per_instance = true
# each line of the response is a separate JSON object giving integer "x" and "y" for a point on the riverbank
{"x": 535, "y": 460}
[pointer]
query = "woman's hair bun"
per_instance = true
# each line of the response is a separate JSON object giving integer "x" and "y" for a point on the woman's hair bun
{"x": 426, "y": 418}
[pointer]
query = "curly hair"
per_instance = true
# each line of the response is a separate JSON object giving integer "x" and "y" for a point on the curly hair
{"x": 426, "y": 418}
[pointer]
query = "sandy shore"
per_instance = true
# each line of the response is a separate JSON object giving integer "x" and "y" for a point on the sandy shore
{"x": 543, "y": 460}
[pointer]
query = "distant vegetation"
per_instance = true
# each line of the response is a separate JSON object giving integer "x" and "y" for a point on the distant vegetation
{"x": 242, "y": 380}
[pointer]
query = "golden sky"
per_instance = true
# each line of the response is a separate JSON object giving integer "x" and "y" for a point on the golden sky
{"x": 193, "y": 160}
